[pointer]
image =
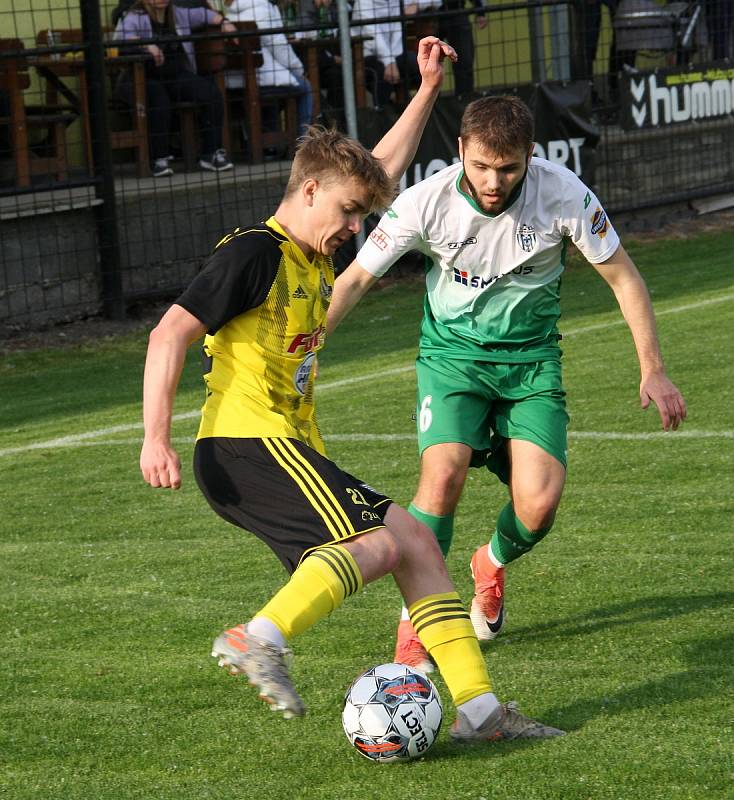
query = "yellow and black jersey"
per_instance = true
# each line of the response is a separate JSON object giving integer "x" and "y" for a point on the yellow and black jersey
{"x": 264, "y": 304}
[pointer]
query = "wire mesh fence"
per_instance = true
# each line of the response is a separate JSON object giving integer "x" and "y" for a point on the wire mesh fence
{"x": 134, "y": 135}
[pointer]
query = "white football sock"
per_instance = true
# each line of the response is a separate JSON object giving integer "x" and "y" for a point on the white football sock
{"x": 263, "y": 628}
{"x": 479, "y": 708}
{"x": 493, "y": 559}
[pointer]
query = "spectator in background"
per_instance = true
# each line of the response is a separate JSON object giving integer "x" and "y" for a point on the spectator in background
{"x": 171, "y": 77}
{"x": 124, "y": 6}
{"x": 719, "y": 19}
{"x": 387, "y": 62}
{"x": 281, "y": 67}
{"x": 617, "y": 58}
{"x": 457, "y": 31}
{"x": 323, "y": 15}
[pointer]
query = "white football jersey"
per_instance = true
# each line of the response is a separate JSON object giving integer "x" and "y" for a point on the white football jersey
{"x": 492, "y": 280}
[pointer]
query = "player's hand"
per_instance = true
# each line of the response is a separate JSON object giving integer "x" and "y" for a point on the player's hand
{"x": 431, "y": 53}
{"x": 666, "y": 396}
{"x": 160, "y": 465}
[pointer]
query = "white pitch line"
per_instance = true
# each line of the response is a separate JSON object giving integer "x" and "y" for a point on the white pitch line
{"x": 611, "y": 435}
{"x": 66, "y": 441}
{"x": 405, "y": 437}
{"x": 677, "y": 310}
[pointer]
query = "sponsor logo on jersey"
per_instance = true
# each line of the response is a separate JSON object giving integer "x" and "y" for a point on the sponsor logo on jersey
{"x": 326, "y": 288}
{"x": 587, "y": 200}
{"x": 526, "y": 237}
{"x": 599, "y": 222}
{"x": 307, "y": 341}
{"x": 303, "y": 373}
{"x": 379, "y": 238}
{"x": 391, "y": 214}
{"x": 300, "y": 293}
{"x": 465, "y": 278}
{"x": 459, "y": 245}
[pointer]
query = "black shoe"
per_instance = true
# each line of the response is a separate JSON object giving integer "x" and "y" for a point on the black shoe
{"x": 161, "y": 168}
{"x": 217, "y": 163}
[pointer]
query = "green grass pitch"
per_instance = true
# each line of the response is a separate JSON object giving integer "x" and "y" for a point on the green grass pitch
{"x": 619, "y": 624}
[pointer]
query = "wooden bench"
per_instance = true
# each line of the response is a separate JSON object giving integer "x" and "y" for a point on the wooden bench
{"x": 246, "y": 58}
{"x": 128, "y": 124}
{"x": 52, "y": 117}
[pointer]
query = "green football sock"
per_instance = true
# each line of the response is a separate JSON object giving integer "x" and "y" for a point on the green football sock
{"x": 442, "y": 526}
{"x": 511, "y": 538}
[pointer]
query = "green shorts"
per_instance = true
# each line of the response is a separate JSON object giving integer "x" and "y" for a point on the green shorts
{"x": 483, "y": 404}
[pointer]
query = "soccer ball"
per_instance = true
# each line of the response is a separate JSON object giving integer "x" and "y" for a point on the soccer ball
{"x": 392, "y": 713}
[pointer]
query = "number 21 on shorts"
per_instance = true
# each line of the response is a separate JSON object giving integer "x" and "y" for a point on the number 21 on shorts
{"x": 425, "y": 417}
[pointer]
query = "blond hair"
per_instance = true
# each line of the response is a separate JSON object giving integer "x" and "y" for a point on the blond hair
{"x": 501, "y": 124}
{"x": 329, "y": 156}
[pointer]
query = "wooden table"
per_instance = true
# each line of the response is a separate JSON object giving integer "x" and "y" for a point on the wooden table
{"x": 308, "y": 51}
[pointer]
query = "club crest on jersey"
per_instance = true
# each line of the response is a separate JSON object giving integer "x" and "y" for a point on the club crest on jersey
{"x": 599, "y": 222}
{"x": 326, "y": 288}
{"x": 303, "y": 373}
{"x": 379, "y": 238}
{"x": 526, "y": 237}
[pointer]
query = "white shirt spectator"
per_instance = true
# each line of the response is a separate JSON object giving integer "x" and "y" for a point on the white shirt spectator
{"x": 281, "y": 66}
{"x": 387, "y": 37}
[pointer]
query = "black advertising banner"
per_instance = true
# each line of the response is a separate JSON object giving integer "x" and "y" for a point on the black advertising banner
{"x": 564, "y": 132}
{"x": 676, "y": 95}
{"x": 563, "y": 129}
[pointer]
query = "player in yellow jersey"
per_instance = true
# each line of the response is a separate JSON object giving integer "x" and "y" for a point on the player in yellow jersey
{"x": 261, "y": 299}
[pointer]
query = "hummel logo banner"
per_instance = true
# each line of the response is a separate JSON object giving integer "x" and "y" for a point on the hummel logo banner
{"x": 675, "y": 95}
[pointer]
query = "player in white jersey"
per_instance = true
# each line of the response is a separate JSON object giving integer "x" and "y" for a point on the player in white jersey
{"x": 494, "y": 228}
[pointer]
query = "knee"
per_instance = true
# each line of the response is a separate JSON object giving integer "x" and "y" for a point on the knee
{"x": 387, "y": 551}
{"x": 440, "y": 491}
{"x": 538, "y": 511}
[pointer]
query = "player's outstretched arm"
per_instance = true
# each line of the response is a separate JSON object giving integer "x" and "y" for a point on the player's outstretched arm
{"x": 634, "y": 301}
{"x": 348, "y": 290}
{"x": 397, "y": 147}
{"x": 167, "y": 347}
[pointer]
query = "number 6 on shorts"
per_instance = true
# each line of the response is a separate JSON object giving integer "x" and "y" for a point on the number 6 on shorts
{"x": 425, "y": 417}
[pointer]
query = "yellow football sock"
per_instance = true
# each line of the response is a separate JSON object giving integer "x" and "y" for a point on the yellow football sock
{"x": 321, "y": 583}
{"x": 444, "y": 628}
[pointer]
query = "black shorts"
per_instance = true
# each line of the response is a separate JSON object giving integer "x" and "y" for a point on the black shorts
{"x": 286, "y": 493}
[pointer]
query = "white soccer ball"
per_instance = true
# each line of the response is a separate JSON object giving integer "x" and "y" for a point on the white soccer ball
{"x": 392, "y": 713}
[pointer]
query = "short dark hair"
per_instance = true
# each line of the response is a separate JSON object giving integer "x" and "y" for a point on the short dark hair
{"x": 329, "y": 156}
{"x": 501, "y": 124}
